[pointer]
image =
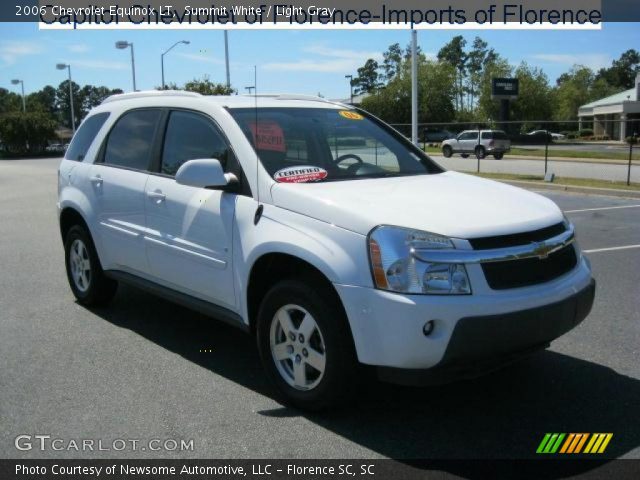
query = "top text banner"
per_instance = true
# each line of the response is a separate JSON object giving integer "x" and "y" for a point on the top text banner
{"x": 398, "y": 14}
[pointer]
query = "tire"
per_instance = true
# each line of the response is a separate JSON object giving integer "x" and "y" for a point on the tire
{"x": 480, "y": 152}
{"x": 86, "y": 278}
{"x": 447, "y": 151}
{"x": 464, "y": 155}
{"x": 312, "y": 373}
{"x": 498, "y": 156}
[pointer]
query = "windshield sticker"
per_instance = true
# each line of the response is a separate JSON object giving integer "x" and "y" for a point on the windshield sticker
{"x": 269, "y": 136}
{"x": 350, "y": 115}
{"x": 300, "y": 174}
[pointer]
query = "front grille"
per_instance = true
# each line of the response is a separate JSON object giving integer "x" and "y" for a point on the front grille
{"x": 502, "y": 241}
{"x": 530, "y": 271}
{"x": 527, "y": 271}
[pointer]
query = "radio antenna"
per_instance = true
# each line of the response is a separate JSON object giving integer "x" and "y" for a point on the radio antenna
{"x": 260, "y": 208}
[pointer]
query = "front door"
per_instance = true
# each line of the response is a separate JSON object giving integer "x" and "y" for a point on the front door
{"x": 189, "y": 229}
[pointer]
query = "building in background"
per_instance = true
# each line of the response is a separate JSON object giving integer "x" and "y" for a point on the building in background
{"x": 617, "y": 116}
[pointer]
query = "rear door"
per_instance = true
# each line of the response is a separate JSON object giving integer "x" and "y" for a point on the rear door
{"x": 189, "y": 229}
{"x": 117, "y": 182}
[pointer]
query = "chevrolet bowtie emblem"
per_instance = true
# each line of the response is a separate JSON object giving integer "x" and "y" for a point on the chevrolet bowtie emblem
{"x": 542, "y": 250}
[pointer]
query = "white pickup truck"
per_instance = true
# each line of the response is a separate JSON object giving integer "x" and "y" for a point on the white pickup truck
{"x": 321, "y": 231}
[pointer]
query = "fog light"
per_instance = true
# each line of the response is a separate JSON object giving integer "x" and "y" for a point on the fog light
{"x": 428, "y": 328}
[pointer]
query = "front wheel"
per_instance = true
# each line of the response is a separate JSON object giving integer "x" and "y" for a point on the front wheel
{"x": 447, "y": 151}
{"x": 498, "y": 156}
{"x": 86, "y": 278}
{"x": 305, "y": 345}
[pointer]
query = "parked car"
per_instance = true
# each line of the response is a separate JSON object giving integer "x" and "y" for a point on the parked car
{"x": 55, "y": 148}
{"x": 437, "y": 135}
{"x": 336, "y": 255}
{"x": 490, "y": 142}
{"x": 542, "y": 133}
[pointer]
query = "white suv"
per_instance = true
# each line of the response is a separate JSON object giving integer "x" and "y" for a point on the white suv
{"x": 320, "y": 230}
{"x": 479, "y": 143}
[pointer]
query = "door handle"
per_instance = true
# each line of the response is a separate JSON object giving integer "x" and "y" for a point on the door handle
{"x": 97, "y": 180}
{"x": 157, "y": 196}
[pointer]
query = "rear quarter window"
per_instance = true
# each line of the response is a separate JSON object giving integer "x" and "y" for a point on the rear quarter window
{"x": 85, "y": 136}
{"x": 500, "y": 135}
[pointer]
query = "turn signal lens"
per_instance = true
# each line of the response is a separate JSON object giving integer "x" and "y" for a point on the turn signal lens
{"x": 376, "y": 265}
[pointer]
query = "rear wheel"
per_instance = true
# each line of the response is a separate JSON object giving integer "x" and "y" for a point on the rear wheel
{"x": 498, "y": 156}
{"x": 86, "y": 278}
{"x": 447, "y": 151}
{"x": 480, "y": 151}
{"x": 305, "y": 345}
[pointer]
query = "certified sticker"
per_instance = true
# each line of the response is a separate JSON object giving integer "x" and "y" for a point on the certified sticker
{"x": 300, "y": 174}
{"x": 350, "y": 115}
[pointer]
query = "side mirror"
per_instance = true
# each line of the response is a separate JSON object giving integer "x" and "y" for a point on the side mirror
{"x": 204, "y": 173}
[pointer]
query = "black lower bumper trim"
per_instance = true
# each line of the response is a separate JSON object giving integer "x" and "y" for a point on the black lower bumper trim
{"x": 484, "y": 343}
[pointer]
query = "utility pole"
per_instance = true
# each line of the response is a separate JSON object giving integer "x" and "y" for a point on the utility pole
{"x": 414, "y": 87}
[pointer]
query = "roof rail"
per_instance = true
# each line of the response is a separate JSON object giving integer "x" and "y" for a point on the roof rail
{"x": 289, "y": 96}
{"x": 150, "y": 93}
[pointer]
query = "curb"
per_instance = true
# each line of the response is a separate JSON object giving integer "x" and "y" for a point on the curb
{"x": 612, "y": 192}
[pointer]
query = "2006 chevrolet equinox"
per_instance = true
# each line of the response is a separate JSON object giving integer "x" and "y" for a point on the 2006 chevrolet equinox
{"x": 319, "y": 229}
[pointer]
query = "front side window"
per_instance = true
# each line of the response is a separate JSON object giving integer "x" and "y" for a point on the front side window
{"x": 85, "y": 135}
{"x": 191, "y": 136}
{"x": 341, "y": 144}
{"x": 131, "y": 139}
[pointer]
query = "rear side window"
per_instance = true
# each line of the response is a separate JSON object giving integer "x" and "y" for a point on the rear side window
{"x": 131, "y": 139}
{"x": 191, "y": 136}
{"x": 85, "y": 135}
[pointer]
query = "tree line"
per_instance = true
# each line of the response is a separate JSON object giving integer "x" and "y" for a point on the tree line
{"x": 456, "y": 85}
{"x": 49, "y": 109}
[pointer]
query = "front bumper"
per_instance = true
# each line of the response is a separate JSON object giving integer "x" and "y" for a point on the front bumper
{"x": 387, "y": 327}
{"x": 481, "y": 344}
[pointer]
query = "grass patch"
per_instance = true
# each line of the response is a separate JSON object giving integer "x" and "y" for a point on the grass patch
{"x": 618, "y": 155}
{"x": 577, "y": 182}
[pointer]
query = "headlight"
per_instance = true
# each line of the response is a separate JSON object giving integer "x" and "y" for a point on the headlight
{"x": 395, "y": 267}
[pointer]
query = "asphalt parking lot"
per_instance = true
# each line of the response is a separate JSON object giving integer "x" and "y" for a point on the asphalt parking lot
{"x": 136, "y": 370}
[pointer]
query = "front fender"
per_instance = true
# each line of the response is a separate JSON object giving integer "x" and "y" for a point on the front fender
{"x": 340, "y": 254}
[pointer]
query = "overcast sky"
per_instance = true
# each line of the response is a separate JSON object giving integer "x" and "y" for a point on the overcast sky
{"x": 307, "y": 62}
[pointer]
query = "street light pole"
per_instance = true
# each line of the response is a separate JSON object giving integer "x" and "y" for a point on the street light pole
{"x": 226, "y": 57}
{"x": 62, "y": 66}
{"x": 185, "y": 42}
{"x": 21, "y": 82}
{"x": 121, "y": 45}
{"x": 414, "y": 87}
{"x": 350, "y": 77}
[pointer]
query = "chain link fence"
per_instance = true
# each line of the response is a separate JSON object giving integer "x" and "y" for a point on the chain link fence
{"x": 596, "y": 151}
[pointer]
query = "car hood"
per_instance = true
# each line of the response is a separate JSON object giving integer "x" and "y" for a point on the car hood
{"x": 449, "y": 203}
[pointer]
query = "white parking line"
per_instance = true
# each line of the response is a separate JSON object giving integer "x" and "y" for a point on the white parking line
{"x": 601, "y": 208}
{"x": 610, "y": 249}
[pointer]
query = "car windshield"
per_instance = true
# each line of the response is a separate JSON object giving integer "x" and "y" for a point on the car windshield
{"x": 322, "y": 144}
